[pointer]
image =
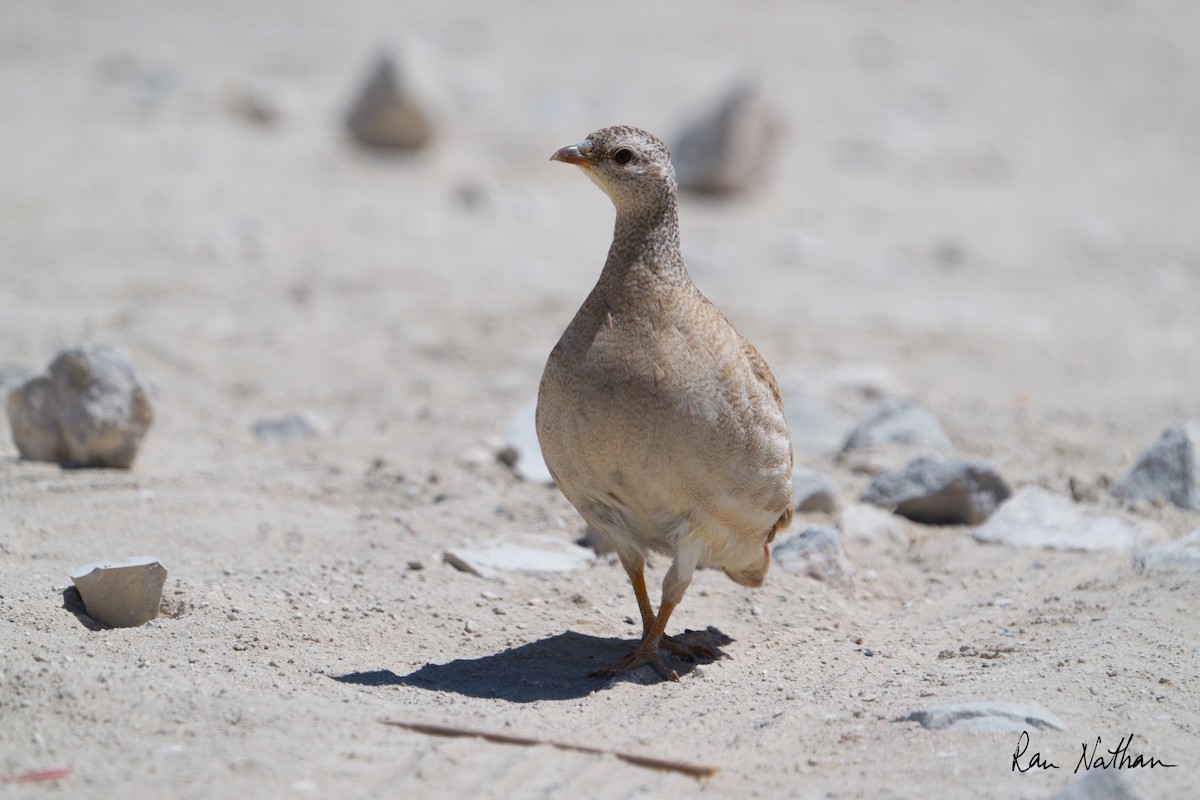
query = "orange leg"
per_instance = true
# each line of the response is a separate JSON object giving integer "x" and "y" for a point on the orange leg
{"x": 647, "y": 652}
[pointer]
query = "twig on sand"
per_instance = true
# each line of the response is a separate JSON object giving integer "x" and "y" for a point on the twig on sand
{"x": 42, "y": 775}
{"x": 695, "y": 770}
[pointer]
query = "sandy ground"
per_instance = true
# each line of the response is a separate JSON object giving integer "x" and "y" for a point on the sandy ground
{"x": 996, "y": 205}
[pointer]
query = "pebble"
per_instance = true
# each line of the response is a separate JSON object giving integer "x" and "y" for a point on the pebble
{"x": 871, "y": 524}
{"x": 897, "y": 422}
{"x": 1037, "y": 517}
{"x": 385, "y": 113}
{"x": 1169, "y": 470}
{"x": 523, "y": 554}
{"x": 521, "y": 450}
{"x": 1181, "y": 555}
{"x": 940, "y": 492}
{"x": 815, "y": 552}
{"x": 818, "y": 427}
{"x": 291, "y": 428}
{"x": 729, "y": 148}
{"x": 90, "y": 410}
{"x": 813, "y": 492}
{"x": 984, "y": 716}
{"x": 121, "y": 594}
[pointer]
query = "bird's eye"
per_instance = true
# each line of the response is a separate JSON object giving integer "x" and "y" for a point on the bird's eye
{"x": 623, "y": 155}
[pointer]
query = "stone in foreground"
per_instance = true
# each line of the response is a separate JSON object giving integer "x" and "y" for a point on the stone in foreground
{"x": 984, "y": 716}
{"x": 1036, "y": 517}
{"x": 938, "y": 492}
{"x": 525, "y": 554}
{"x": 121, "y": 594}
{"x": 90, "y": 411}
{"x": 815, "y": 552}
{"x": 1169, "y": 470}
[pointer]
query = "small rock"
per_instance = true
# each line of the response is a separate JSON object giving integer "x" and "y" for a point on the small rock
{"x": 813, "y": 492}
{"x": 1169, "y": 470}
{"x": 1181, "y": 555}
{"x": 899, "y": 422}
{"x": 815, "y": 552}
{"x": 595, "y": 539}
{"x": 386, "y": 114}
{"x": 1098, "y": 784}
{"x": 90, "y": 411}
{"x": 871, "y": 524}
{"x": 291, "y": 428}
{"x": 121, "y": 594}
{"x": 818, "y": 428}
{"x": 262, "y": 101}
{"x": 729, "y": 149}
{"x": 940, "y": 492}
{"x": 985, "y": 716}
{"x": 524, "y": 554}
{"x": 1036, "y": 517}
{"x": 521, "y": 449}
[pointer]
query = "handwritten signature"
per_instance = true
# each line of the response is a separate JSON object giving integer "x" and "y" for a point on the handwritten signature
{"x": 1118, "y": 757}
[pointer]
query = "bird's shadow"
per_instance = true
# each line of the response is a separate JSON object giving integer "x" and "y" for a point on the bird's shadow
{"x": 554, "y": 668}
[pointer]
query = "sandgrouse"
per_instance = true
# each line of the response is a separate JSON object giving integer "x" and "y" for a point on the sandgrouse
{"x": 660, "y": 423}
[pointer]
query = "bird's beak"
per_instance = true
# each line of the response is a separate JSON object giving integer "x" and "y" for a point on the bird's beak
{"x": 576, "y": 154}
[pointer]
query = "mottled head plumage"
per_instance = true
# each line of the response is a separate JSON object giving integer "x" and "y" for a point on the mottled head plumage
{"x": 631, "y": 166}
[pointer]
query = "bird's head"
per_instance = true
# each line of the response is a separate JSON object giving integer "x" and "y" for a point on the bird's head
{"x": 632, "y": 167}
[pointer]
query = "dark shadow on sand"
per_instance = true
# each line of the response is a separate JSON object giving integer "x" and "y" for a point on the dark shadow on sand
{"x": 74, "y": 603}
{"x": 554, "y": 668}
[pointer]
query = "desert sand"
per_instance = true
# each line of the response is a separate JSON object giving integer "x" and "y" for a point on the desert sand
{"x": 988, "y": 208}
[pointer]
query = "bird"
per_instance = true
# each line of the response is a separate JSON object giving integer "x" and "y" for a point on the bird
{"x": 660, "y": 423}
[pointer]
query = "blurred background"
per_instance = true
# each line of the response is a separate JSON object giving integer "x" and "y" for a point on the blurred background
{"x": 995, "y": 202}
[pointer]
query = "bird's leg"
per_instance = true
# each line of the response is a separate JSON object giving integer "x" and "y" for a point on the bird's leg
{"x": 674, "y": 585}
{"x": 634, "y": 567}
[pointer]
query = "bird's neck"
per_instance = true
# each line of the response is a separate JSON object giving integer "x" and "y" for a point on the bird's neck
{"x": 645, "y": 250}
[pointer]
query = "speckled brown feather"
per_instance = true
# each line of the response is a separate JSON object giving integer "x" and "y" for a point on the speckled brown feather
{"x": 661, "y": 424}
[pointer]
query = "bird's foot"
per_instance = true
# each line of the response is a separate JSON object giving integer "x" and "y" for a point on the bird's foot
{"x": 688, "y": 650}
{"x": 643, "y": 655}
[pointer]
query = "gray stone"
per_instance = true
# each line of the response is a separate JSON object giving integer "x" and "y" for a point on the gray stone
{"x": 899, "y": 422}
{"x": 521, "y": 449}
{"x": 1036, "y": 517}
{"x": 595, "y": 540}
{"x": 984, "y": 716}
{"x": 815, "y": 552}
{"x": 818, "y": 428}
{"x": 1181, "y": 555}
{"x": 1169, "y": 470}
{"x": 121, "y": 594}
{"x": 940, "y": 492}
{"x": 813, "y": 492}
{"x": 385, "y": 113}
{"x": 291, "y": 428}
{"x": 1098, "y": 784}
{"x": 90, "y": 411}
{"x": 521, "y": 554}
{"x": 729, "y": 148}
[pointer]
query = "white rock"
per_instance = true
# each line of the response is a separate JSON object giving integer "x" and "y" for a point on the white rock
{"x": 121, "y": 594}
{"x": 815, "y": 552}
{"x": 530, "y": 554}
{"x": 90, "y": 411}
{"x": 1036, "y": 517}
{"x": 867, "y": 523}
{"x": 985, "y": 716}
{"x": 818, "y": 428}
{"x": 291, "y": 428}
{"x": 1181, "y": 555}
